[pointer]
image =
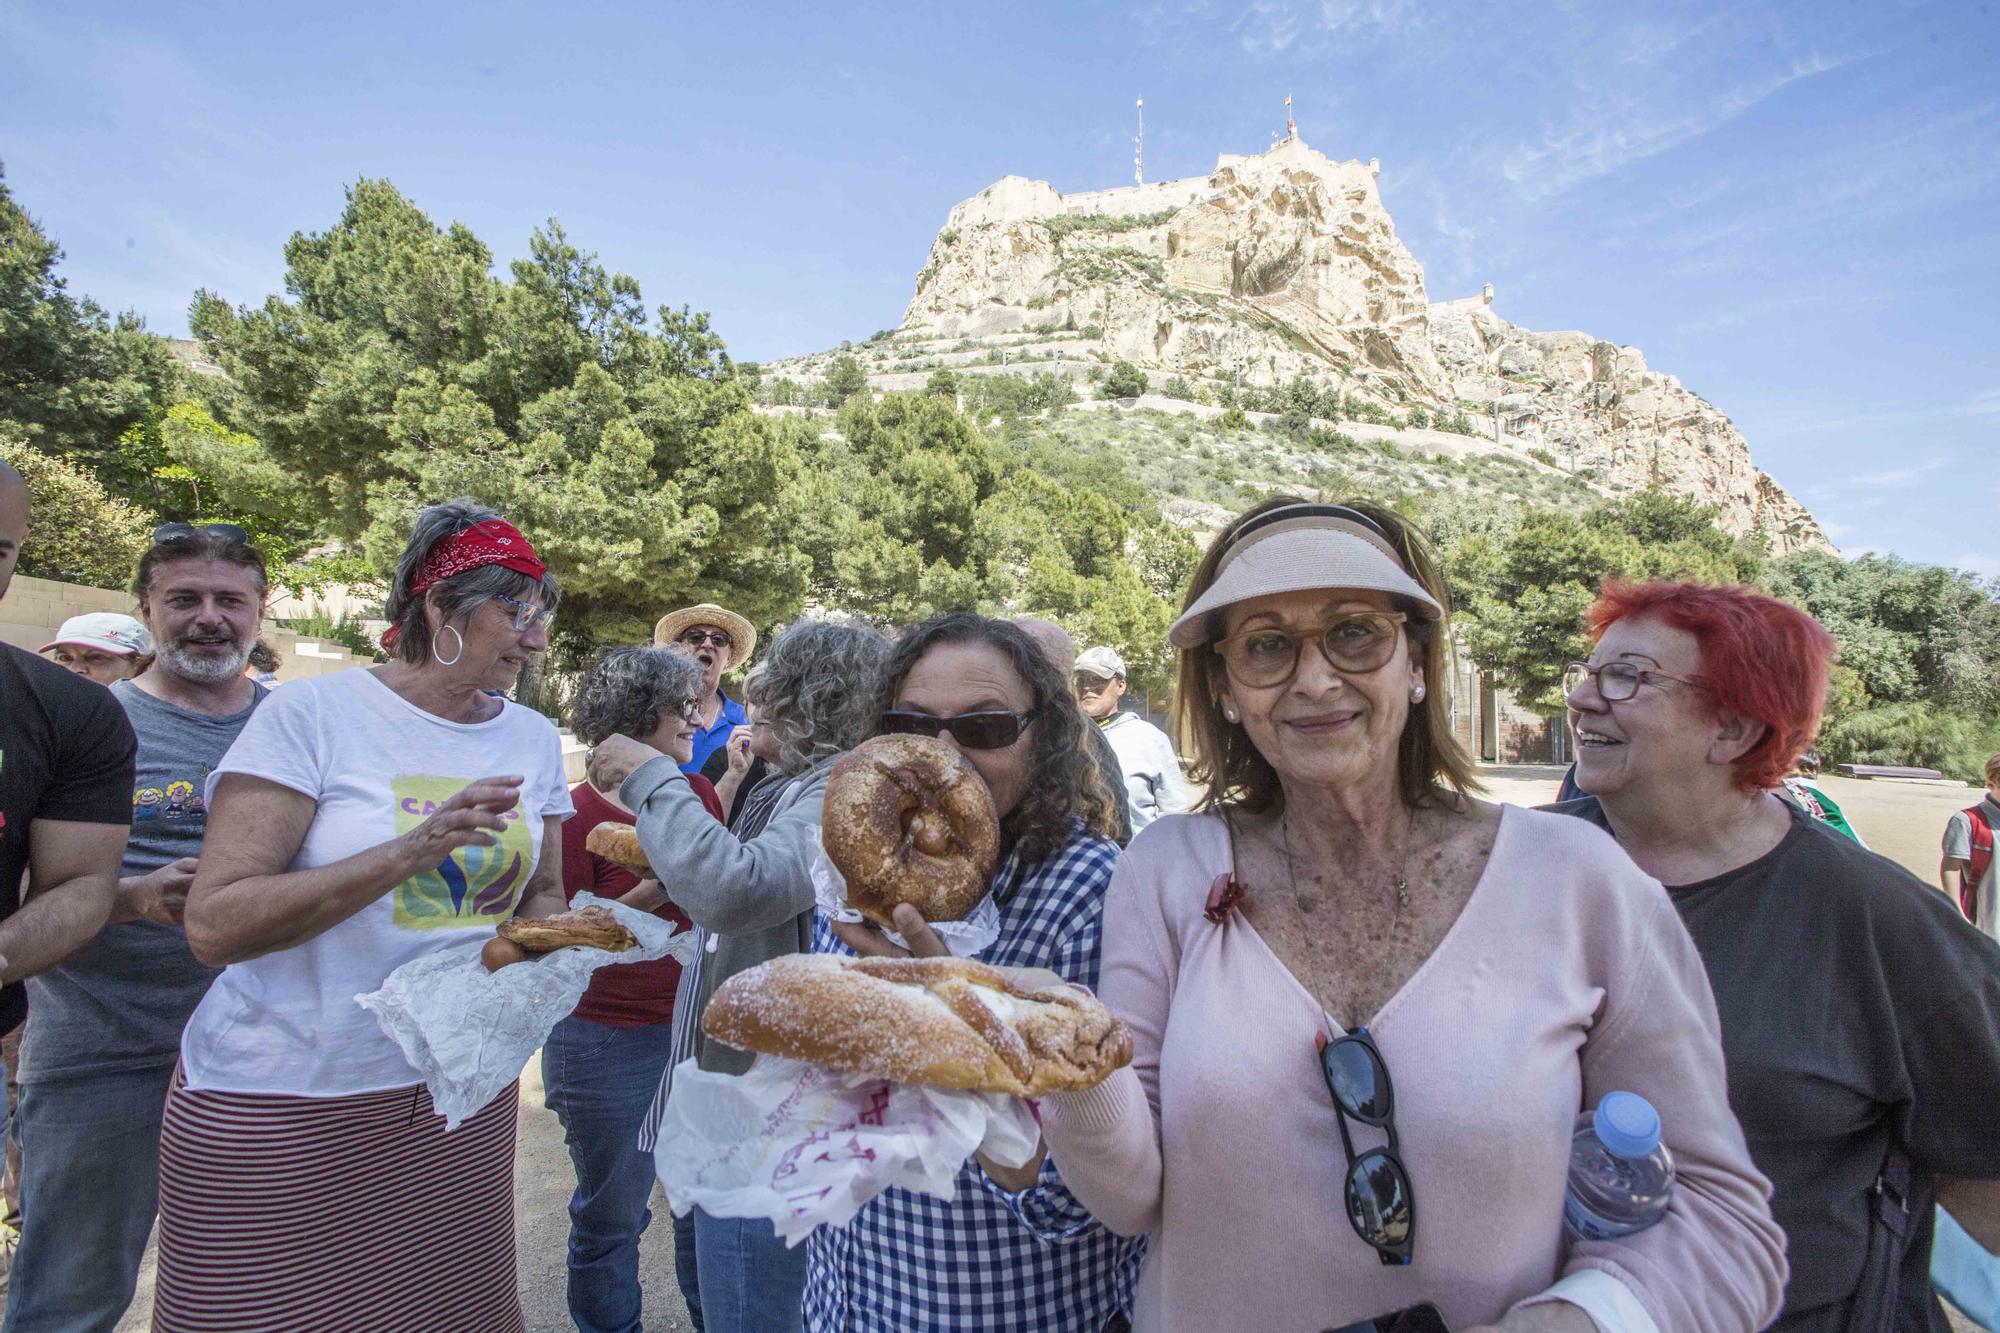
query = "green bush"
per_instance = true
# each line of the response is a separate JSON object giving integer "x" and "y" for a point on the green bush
{"x": 1918, "y": 734}
{"x": 346, "y": 633}
{"x": 1542, "y": 456}
{"x": 1125, "y": 381}
{"x": 78, "y": 532}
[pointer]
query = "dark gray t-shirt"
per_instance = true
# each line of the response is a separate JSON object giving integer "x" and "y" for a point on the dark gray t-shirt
{"x": 120, "y": 1002}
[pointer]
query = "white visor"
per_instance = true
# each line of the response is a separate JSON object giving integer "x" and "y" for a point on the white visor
{"x": 1315, "y": 549}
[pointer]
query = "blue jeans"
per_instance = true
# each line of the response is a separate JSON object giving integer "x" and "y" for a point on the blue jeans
{"x": 750, "y": 1281}
{"x": 687, "y": 1269}
{"x": 90, "y": 1184}
{"x": 600, "y": 1080}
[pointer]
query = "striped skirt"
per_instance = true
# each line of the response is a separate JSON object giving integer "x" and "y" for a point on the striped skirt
{"x": 358, "y": 1214}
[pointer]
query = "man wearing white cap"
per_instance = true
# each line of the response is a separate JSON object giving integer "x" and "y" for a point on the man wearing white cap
{"x": 102, "y": 645}
{"x": 1154, "y": 784}
{"x": 721, "y": 641}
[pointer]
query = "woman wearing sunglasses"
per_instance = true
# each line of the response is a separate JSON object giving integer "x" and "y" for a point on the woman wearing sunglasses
{"x": 1013, "y": 1249}
{"x": 1367, "y": 1008}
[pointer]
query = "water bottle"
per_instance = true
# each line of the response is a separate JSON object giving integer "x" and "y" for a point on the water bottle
{"x": 1621, "y": 1176}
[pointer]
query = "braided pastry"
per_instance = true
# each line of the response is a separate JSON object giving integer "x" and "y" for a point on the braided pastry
{"x": 945, "y": 1022}
{"x": 909, "y": 820}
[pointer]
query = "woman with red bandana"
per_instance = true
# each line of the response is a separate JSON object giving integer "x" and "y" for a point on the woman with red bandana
{"x": 362, "y": 820}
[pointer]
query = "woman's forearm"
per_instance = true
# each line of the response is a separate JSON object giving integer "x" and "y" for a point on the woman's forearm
{"x": 249, "y": 917}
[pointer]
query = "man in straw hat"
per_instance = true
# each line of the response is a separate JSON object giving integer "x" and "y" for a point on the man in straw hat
{"x": 721, "y": 641}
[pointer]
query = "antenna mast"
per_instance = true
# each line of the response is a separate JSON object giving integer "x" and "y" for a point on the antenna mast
{"x": 1291, "y": 130}
{"x": 1139, "y": 148}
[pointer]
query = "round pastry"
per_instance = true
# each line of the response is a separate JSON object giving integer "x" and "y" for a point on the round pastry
{"x": 618, "y": 844}
{"x": 500, "y": 953}
{"x": 945, "y": 1022}
{"x": 593, "y": 927}
{"x": 908, "y": 820}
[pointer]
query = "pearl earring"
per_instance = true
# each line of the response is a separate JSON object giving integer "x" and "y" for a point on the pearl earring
{"x": 1229, "y": 713}
{"x": 1416, "y": 694}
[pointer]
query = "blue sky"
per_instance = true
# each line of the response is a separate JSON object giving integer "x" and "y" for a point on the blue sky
{"x": 1793, "y": 207}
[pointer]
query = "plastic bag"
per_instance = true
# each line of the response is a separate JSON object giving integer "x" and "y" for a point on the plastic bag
{"x": 807, "y": 1147}
{"x": 964, "y": 939}
{"x": 467, "y": 1031}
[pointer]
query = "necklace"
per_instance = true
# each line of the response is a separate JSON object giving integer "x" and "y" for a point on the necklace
{"x": 1402, "y": 881}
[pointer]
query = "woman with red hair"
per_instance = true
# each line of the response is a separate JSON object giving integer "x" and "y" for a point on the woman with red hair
{"x": 1860, "y": 1015}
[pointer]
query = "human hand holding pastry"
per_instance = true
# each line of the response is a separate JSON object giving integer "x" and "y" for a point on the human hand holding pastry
{"x": 614, "y": 759}
{"x": 867, "y": 940}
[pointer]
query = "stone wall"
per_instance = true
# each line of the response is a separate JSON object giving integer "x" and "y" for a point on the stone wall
{"x": 34, "y": 609}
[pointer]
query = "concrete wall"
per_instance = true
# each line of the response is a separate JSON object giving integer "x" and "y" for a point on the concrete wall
{"x": 34, "y": 609}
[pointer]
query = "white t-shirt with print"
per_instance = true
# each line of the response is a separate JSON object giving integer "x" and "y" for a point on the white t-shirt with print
{"x": 377, "y": 765}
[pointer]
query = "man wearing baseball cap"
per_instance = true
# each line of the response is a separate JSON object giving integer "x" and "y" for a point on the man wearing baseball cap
{"x": 102, "y": 645}
{"x": 721, "y": 641}
{"x": 1153, "y": 780}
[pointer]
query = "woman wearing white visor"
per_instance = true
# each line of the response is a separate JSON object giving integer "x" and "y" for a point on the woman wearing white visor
{"x": 102, "y": 645}
{"x": 1367, "y": 1008}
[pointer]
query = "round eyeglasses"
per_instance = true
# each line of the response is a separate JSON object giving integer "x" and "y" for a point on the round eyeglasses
{"x": 1357, "y": 644}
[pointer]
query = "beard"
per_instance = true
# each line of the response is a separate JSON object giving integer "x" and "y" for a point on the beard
{"x": 205, "y": 668}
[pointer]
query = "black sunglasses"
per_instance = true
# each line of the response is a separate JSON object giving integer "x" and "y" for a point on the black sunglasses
{"x": 228, "y": 532}
{"x": 1380, "y": 1203}
{"x": 974, "y": 731}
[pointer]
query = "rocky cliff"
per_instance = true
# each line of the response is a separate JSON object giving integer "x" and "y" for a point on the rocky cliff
{"x": 1286, "y": 263}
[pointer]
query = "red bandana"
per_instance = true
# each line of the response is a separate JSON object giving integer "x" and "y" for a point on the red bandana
{"x": 494, "y": 542}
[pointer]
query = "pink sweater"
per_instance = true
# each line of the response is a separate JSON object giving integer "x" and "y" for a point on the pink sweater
{"x": 1568, "y": 976}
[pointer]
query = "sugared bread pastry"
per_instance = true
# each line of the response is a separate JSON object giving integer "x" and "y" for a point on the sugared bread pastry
{"x": 945, "y": 1022}
{"x": 592, "y": 926}
{"x": 908, "y": 819}
{"x": 618, "y": 843}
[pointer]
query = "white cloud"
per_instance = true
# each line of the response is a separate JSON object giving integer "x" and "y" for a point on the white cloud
{"x": 1611, "y": 129}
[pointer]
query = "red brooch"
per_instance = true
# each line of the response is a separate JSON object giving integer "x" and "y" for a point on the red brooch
{"x": 1223, "y": 895}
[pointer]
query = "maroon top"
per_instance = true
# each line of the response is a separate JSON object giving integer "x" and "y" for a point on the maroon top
{"x": 621, "y": 995}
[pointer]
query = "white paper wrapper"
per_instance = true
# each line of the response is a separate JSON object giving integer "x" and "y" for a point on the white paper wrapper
{"x": 807, "y": 1147}
{"x": 964, "y": 939}
{"x": 467, "y": 1031}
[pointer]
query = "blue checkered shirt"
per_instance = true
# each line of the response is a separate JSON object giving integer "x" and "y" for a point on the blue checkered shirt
{"x": 986, "y": 1259}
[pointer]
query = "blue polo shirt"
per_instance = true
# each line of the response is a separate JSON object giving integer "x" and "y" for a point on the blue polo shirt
{"x": 707, "y": 740}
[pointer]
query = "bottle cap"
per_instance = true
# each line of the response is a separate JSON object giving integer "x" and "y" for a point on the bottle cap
{"x": 1627, "y": 1125}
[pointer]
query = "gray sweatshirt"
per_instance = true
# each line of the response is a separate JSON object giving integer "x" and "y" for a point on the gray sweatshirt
{"x": 755, "y": 898}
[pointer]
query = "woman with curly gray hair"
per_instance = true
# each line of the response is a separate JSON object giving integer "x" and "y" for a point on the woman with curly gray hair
{"x": 1012, "y": 1248}
{"x": 362, "y": 821}
{"x": 602, "y": 1063}
{"x": 751, "y": 892}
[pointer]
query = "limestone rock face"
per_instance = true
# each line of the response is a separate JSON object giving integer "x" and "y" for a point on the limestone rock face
{"x": 1275, "y": 265}
{"x": 1600, "y": 409}
{"x": 1285, "y": 263}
